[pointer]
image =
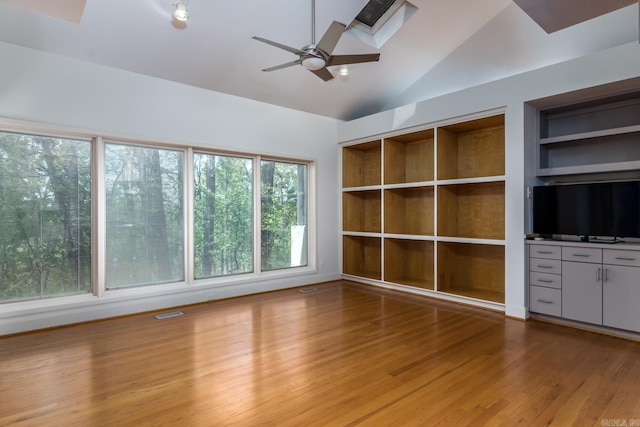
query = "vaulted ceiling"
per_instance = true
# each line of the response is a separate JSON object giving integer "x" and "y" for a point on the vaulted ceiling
{"x": 446, "y": 45}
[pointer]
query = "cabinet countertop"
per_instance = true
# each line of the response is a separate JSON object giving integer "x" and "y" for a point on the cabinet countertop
{"x": 631, "y": 246}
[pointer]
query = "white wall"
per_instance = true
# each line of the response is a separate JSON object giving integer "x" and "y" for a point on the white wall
{"x": 608, "y": 66}
{"x": 69, "y": 94}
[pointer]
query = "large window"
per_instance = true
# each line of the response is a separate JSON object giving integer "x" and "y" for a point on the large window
{"x": 45, "y": 216}
{"x": 223, "y": 211}
{"x": 284, "y": 215}
{"x": 81, "y": 215}
{"x": 145, "y": 226}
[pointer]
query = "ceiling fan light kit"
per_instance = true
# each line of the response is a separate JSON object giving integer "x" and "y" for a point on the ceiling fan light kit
{"x": 313, "y": 63}
{"x": 317, "y": 57}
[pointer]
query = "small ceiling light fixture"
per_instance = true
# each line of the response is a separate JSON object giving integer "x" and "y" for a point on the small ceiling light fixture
{"x": 313, "y": 60}
{"x": 180, "y": 11}
{"x": 344, "y": 70}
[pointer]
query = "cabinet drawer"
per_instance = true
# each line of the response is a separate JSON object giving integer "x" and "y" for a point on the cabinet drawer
{"x": 573, "y": 253}
{"x": 545, "y": 251}
{"x": 545, "y": 265}
{"x": 621, "y": 257}
{"x": 545, "y": 279}
{"x": 545, "y": 300}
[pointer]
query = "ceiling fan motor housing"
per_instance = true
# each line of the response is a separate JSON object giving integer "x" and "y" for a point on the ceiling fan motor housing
{"x": 314, "y": 58}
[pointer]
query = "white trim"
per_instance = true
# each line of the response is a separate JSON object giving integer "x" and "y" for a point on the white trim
{"x": 88, "y": 307}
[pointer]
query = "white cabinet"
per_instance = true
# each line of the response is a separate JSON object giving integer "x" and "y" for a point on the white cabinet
{"x": 586, "y": 282}
{"x": 621, "y": 290}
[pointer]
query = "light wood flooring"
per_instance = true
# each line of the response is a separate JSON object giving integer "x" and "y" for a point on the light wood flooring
{"x": 346, "y": 354}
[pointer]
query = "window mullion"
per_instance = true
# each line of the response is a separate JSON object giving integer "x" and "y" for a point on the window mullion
{"x": 99, "y": 243}
{"x": 189, "y": 206}
{"x": 257, "y": 217}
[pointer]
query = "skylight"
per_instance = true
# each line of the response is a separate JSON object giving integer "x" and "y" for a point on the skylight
{"x": 373, "y": 11}
{"x": 379, "y": 20}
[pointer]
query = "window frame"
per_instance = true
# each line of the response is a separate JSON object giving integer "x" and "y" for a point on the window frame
{"x": 99, "y": 292}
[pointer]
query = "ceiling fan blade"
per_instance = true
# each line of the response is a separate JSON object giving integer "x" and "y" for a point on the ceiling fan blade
{"x": 331, "y": 37}
{"x": 323, "y": 73}
{"x": 278, "y": 45}
{"x": 288, "y": 64}
{"x": 352, "y": 59}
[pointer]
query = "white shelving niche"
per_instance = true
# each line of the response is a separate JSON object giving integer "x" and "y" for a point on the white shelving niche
{"x": 591, "y": 137}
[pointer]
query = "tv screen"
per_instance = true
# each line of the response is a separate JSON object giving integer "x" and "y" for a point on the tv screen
{"x": 610, "y": 209}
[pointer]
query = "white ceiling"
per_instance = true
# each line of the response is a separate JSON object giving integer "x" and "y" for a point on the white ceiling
{"x": 446, "y": 45}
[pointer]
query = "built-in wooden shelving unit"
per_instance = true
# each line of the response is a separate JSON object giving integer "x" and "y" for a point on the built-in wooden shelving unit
{"x": 425, "y": 210}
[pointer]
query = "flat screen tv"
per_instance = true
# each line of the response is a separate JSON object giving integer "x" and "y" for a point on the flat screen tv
{"x": 606, "y": 210}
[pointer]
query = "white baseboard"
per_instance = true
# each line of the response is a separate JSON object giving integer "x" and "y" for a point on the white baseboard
{"x": 61, "y": 311}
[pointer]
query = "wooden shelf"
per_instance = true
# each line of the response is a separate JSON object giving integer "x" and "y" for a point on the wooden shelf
{"x": 409, "y": 211}
{"x": 361, "y": 211}
{"x": 409, "y": 158}
{"x": 472, "y": 210}
{"x": 471, "y": 149}
{"x": 361, "y": 165}
{"x": 409, "y": 262}
{"x": 475, "y": 271}
{"x": 362, "y": 256}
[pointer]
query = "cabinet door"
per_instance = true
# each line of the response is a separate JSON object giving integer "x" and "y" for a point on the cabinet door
{"x": 621, "y": 294}
{"x": 582, "y": 291}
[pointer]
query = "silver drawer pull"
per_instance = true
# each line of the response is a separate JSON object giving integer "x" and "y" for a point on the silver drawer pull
{"x": 545, "y": 280}
{"x": 624, "y": 258}
{"x": 545, "y": 252}
{"x": 582, "y": 255}
{"x": 545, "y": 301}
{"x": 545, "y": 266}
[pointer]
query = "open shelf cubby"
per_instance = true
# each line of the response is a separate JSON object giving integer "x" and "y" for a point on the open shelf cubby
{"x": 471, "y": 149}
{"x": 620, "y": 149}
{"x": 409, "y": 262}
{"x": 361, "y": 211}
{"x": 361, "y": 165}
{"x": 472, "y": 210}
{"x": 617, "y": 112}
{"x": 409, "y": 211}
{"x": 595, "y": 136}
{"x": 471, "y": 270}
{"x": 362, "y": 256}
{"x": 409, "y": 158}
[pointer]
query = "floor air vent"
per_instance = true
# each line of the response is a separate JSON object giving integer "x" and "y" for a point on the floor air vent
{"x": 305, "y": 290}
{"x": 168, "y": 315}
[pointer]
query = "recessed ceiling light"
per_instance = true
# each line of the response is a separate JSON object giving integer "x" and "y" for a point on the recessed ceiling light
{"x": 180, "y": 11}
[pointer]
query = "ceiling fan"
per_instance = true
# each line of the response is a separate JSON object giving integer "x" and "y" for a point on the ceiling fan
{"x": 317, "y": 57}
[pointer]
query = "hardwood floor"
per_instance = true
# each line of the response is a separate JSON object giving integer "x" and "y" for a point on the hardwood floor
{"x": 346, "y": 354}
